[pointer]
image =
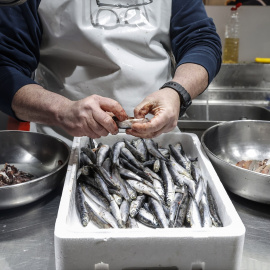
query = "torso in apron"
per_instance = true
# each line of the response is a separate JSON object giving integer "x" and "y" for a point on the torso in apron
{"x": 114, "y": 48}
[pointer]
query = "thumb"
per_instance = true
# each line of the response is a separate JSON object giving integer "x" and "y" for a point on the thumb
{"x": 142, "y": 109}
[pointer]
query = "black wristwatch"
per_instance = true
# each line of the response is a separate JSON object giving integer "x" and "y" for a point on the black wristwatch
{"x": 183, "y": 94}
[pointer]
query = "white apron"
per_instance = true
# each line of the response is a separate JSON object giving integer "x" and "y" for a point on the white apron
{"x": 92, "y": 47}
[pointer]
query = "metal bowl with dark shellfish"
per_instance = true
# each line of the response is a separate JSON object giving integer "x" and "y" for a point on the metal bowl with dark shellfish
{"x": 41, "y": 157}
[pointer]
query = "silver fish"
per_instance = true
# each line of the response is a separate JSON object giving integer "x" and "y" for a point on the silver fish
{"x": 117, "y": 198}
{"x": 128, "y": 123}
{"x": 136, "y": 205}
{"x": 168, "y": 183}
{"x": 102, "y": 186}
{"x": 182, "y": 211}
{"x": 95, "y": 219}
{"x": 116, "y": 150}
{"x": 200, "y": 189}
{"x": 174, "y": 208}
{"x": 139, "y": 144}
{"x": 205, "y": 212}
{"x": 195, "y": 171}
{"x": 103, "y": 213}
{"x": 153, "y": 150}
{"x": 115, "y": 210}
{"x": 124, "y": 210}
{"x": 193, "y": 214}
{"x": 156, "y": 166}
{"x": 90, "y": 153}
{"x": 157, "y": 210}
{"x": 122, "y": 184}
{"x": 180, "y": 159}
{"x": 144, "y": 189}
{"x": 102, "y": 153}
{"x": 131, "y": 158}
{"x": 213, "y": 208}
{"x": 102, "y": 201}
{"x": 80, "y": 199}
{"x": 179, "y": 168}
{"x": 147, "y": 218}
{"x": 127, "y": 174}
{"x": 159, "y": 188}
{"x": 136, "y": 153}
{"x": 131, "y": 223}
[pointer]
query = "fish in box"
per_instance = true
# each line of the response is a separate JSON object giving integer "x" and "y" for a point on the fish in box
{"x": 142, "y": 247}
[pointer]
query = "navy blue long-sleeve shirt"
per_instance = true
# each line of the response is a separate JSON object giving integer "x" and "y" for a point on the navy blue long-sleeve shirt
{"x": 193, "y": 40}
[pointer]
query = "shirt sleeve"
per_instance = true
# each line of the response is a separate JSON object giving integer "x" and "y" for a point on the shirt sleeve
{"x": 193, "y": 36}
{"x": 20, "y": 38}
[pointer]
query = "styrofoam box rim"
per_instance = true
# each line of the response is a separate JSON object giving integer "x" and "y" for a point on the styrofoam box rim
{"x": 233, "y": 226}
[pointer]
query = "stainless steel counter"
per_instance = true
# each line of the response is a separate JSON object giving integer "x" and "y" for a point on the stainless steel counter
{"x": 27, "y": 234}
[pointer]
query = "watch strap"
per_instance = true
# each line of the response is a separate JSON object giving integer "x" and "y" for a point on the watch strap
{"x": 183, "y": 94}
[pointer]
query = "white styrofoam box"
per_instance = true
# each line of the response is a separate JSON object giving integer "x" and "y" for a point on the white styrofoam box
{"x": 81, "y": 248}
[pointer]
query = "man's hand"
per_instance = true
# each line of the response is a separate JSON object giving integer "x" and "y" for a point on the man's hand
{"x": 164, "y": 105}
{"x": 91, "y": 116}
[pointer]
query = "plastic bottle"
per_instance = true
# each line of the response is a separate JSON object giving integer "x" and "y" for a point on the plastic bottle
{"x": 231, "y": 46}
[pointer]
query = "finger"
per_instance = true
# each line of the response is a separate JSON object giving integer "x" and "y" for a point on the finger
{"x": 156, "y": 123}
{"x": 106, "y": 122}
{"x": 110, "y": 105}
{"x": 142, "y": 109}
{"x": 147, "y": 134}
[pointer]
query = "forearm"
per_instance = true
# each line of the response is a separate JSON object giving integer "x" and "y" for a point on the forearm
{"x": 193, "y": 77}
{"x": 35, "y": 104}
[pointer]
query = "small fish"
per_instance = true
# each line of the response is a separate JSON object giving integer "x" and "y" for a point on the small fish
{"x": 117, "y": 198}
{"x": 127, "y": 174}
{"x": 126, "y": 124}
{"x": 136, "y": 153}
{"x": 131, "y": 223}
{"x": 213, "y": 208}
{"x": 107, "y": 165}
{"x": 102, "y": 153}
{"x": 80, "y": 199}
{"x": 136, "y": 205}
{"x": 95, "y": 196}
{"x": 109, "y": 180}
{"x": 147, "y": 218}
{"x": 196, "y": 171}
{"x": 182, "y": 212}
{"x": 144, "y": 189}
{"x": 115, "y": 210}
{"x": 139, "y": 144}
{"x": 205, "y": 212}
{"x": 193, "y": 216}
{"x": 90, "y": 153}
{"x": 121, "y": 183}
{"x": 168, "y": 183}
{"x": 131, "y": 158}
{"x": 180, "y": 159}
{"x": 153, "y": 150}
{"x": 157, "y": 210}
{"x": 174, "y": 208}
{"x": 116, "y": 150}
{"x": 95, "y": 219}
{"x": 134, "y": 169}
{"x": 124, "y": 210}
{"x": 103, "y": 213}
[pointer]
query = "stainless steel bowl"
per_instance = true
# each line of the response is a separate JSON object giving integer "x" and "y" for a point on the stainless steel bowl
{"x": 230, "y": 142}
{"x": 44, "y": 156}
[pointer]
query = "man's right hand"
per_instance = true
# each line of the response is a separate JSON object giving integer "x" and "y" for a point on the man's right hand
{"x": 91, "y": 116}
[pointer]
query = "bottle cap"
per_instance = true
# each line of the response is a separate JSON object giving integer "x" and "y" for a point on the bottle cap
{"x": 237, "y": 6}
